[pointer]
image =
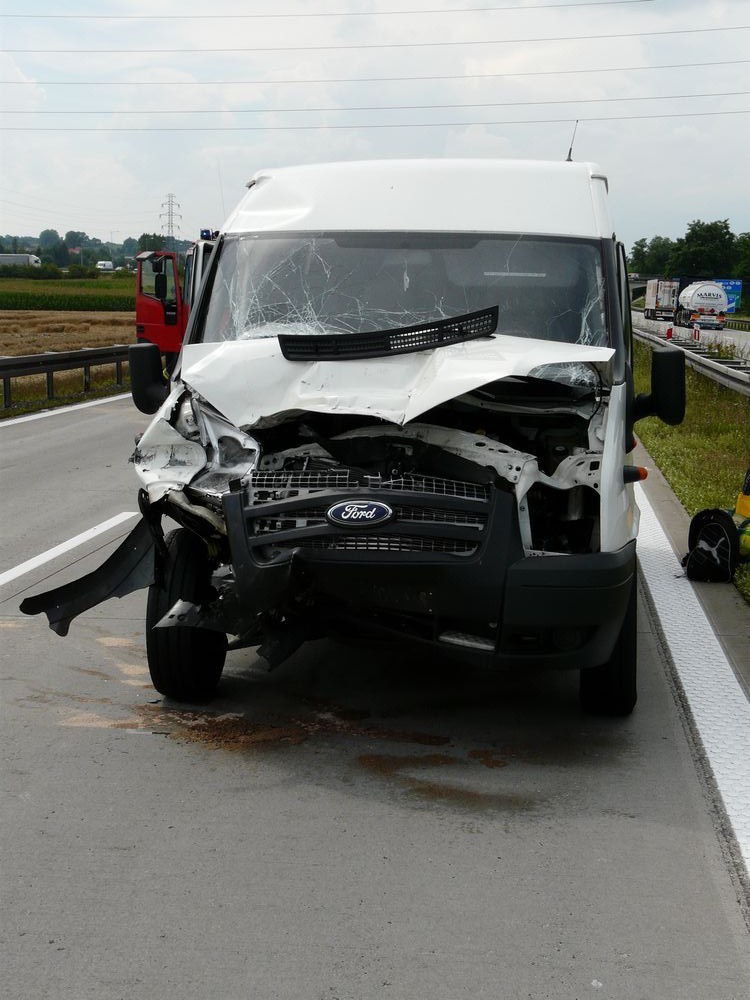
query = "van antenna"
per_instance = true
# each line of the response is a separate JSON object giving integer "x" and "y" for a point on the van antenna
{"x": 573, "y": 139}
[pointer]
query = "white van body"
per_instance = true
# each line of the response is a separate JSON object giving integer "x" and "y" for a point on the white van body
{"x": 105, "y": 265}
{"x": 403, "y": 408}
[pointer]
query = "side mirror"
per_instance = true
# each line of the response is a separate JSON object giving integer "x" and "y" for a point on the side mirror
{"x": 148, "y": 387}
{"x": 667, "y": 397}
{"x": 160, "y": 286}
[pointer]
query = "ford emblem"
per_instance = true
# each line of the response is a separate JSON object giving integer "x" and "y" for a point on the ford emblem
{"x": 359, "y": 513}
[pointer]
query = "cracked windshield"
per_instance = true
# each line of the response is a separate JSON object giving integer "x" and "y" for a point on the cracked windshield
{"x": 324, "y": 283}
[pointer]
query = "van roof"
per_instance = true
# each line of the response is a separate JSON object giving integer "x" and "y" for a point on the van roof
{"x": 439, "y": 195}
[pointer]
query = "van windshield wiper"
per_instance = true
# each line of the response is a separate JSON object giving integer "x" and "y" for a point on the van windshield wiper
{"x": 384, "y": 343}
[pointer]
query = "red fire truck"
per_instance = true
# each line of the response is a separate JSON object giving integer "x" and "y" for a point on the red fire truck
{"x": 162, "y": 303}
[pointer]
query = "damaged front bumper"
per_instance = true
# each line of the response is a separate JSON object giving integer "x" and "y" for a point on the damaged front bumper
{"x": 131, "y": 567}
{"x": 449, "y": 569}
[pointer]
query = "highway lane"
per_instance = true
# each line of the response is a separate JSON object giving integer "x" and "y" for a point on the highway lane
{"x": 64, "y": 473}
{"x": 359, "y": 823}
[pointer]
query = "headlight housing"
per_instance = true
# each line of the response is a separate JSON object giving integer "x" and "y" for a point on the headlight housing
{"x": 196, "y": 447}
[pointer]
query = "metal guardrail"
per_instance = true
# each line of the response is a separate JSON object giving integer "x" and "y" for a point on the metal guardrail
{"x": 737, "y": 324}
{"x": 732, "y": 374}
{"x": 61, "y": 361}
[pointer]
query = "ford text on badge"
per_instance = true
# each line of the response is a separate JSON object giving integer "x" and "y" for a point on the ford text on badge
{"x": 359, "y": 513}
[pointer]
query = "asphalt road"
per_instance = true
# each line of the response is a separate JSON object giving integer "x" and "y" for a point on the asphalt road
{"x": 360, "y": 823}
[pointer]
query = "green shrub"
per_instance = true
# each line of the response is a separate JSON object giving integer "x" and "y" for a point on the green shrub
{"x": 81, "y": 271}
{"x": 45, "y": 272}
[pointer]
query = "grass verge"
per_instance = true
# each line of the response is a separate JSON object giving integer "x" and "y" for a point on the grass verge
{"x": 29, "y": 394}
{"x": 704, "y": 460}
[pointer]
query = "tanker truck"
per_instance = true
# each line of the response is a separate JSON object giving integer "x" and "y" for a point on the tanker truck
{"x": 702, "y": 303}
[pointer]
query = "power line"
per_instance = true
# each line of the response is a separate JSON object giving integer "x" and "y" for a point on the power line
{"x": 323, "y": 128}
{"x": 383, "y": 107}
{"x": 364, "y": 79}
{"x": 318, "y": 14}
{"x": 382, "y": 45}
{"x": 68, "y": 209}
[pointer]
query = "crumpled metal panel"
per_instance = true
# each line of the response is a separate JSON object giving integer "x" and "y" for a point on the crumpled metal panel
{"x": 250, "y": 381}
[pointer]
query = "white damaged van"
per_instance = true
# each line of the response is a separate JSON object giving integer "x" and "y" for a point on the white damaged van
{"x": 404, "y": 407}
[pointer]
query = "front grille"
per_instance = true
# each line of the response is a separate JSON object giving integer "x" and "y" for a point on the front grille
{"x": 268, "y": 487}
{"x": 310, "y": 517}
{"x": 286, "y": 510}
{"x": 430, "y": 515}
{"x": 389, "y": 543}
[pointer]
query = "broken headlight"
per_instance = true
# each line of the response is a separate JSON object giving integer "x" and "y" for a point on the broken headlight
{"x": 194, "y": 446}
{"x": 231, "y": 454}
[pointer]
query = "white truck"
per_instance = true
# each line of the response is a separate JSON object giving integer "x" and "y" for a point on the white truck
{"x": 661, "y": 298}
{"x": 703, "y": 304}
{"x": 403, "y": 409}
{"x": 105, "y": 265}
{"x": 19, "y": 260}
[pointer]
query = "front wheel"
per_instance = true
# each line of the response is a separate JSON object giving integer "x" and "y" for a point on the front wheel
{"x": 184, "y": 663}
{"x": 611, "y": 689}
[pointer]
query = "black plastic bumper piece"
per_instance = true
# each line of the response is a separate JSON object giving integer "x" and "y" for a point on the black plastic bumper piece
{"x": 566, "y": 611}
{"x": 423, "y": 583}
{"x": 129, "y": 568}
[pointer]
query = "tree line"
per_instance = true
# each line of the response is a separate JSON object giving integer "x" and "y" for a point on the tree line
{"x": 707, "y": 250}
{"x": 77, "y": 247}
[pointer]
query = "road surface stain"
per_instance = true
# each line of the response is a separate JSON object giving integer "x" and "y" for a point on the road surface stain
{"x": 119, "y": 642}
{"x": 234, "y": 731}
{"x": 399, "y": 769}
{"x": 489, "y": 758}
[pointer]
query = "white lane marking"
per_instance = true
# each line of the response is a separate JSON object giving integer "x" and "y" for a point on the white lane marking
{"x": 718, "y": 704}
{"x": 58, "y": 550}
{"x": 12, "y": 421}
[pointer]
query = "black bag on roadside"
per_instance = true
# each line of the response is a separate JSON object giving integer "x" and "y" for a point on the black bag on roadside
{"x": 713, "y": 547}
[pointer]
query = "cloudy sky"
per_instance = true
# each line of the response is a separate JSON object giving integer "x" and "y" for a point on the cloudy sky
{"x": 104, "y": 116}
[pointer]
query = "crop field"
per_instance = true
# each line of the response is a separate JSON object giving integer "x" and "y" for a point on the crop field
{"x": 30, "y": 332}
{"x": 25, "y": 331}
{"x": 111, "y": 293}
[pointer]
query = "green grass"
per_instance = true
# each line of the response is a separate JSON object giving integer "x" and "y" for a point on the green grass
{"x": 705, "y": 459}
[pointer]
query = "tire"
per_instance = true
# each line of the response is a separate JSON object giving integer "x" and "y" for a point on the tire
{"x": 185, "y": 663}
{"x": 611, "y": 689}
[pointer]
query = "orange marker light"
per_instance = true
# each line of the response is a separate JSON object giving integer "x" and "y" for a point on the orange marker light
{"x": 634, "y": 473}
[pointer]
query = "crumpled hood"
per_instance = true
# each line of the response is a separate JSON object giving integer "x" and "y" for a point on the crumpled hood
{"x": 251, "y": 382}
